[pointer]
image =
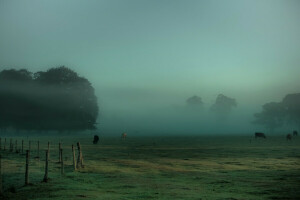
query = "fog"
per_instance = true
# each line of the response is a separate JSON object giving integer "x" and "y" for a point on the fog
{"x": 146, "y": 58}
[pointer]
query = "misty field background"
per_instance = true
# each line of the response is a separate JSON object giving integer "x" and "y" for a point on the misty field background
{"x": 205, "y": 167}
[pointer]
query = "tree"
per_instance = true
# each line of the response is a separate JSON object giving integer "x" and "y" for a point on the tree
{"x": 223, "y": 105}
{"x": 14, "y": 105}
{"x": 73, "y": 103}
{"x": 194, "y": 102}
{"x": 57, "y": 99}
{"x": 291, "y": 104}
{"x": 272, "y": 116}
{"x": 13, "y": 75}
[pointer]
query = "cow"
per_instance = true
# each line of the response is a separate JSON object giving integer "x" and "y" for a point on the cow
{"x": 96, "y": 139}
{"x": 124, "y": 135}
{"x": 295, "y": 133}
{"x": 288, "y": 137}
{"x": 260, "y": 135}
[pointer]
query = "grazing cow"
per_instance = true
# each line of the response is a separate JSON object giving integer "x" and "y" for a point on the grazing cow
{"x": 124, "y": 135}
{"x": 96, "y": 139}
{"x": 295, "y": 133}
{"x": 262, "y": 135}
{"x": 288, "y": 137}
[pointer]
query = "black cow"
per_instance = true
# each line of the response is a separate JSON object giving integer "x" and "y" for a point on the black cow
{"x": 295, "y": 133}
{"x": 262, "y": 135}
{"x": 288, "y": 137}
{"x": 96, "y": 139}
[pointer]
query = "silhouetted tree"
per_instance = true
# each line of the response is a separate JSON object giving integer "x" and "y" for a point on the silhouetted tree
{"x": 223, "y": 105}
{"x": 57, "y": 99}
{"x": 291, "y": 104}
{"x": 272, "y": 116}
{"x": 194, "y": 101}
{"x": 14, "y": 105}
{"x": 12, "y": 75}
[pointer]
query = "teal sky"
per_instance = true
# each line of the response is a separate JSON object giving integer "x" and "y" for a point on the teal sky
{"x": 144, "y": 55}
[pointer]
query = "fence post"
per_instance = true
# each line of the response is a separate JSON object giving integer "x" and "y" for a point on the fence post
{"x": 1, "y": 187}
{"x": 38, "y": 150}
{"x": 46, "y": 167}
{"x": 10, "y": 145}
{"x": 80, "y": 158}
{"x": 29, "y": 145}
{"x": 74, "y": 159}
{"x": 4, "y": 144}
{"x": 27, "y": 170}
{"x": 62, "y": 161}
{"x": 59, "y": 155}
{"x": 0, "y": 144}
{"x": 48, "y": 146}
{"x": 22, "y": 146}
{"x": 16, "y": 144}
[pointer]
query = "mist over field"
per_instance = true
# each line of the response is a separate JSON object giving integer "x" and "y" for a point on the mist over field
{"x": 149, "y": 99}
{"x": 146, "y": 58}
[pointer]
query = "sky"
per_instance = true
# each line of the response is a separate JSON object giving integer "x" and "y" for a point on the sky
{"x": 145, "y": 58}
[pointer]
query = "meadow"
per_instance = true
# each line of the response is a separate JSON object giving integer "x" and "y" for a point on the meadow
{"x": 202, "y": 167}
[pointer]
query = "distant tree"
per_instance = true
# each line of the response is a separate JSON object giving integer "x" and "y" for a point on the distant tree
{"x": 272, "y": 116}
{"x": 223, "y": 105}
{"x": 194, "y": 101}
{"x": 291, "y": 104}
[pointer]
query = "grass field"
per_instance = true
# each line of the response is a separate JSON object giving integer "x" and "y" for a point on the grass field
{"x": 159, "y": 168}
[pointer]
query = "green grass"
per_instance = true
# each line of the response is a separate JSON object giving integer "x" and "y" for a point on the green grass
{"x": 160, "y": 168}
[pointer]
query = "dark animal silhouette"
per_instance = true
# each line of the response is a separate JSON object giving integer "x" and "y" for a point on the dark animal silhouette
{"x": 96, "y": 139}
{"x": 288, "y": 137}
{"x": 295, "y": 133}
{"x": 124, "y": 135}
{"x": 258, "y": 135}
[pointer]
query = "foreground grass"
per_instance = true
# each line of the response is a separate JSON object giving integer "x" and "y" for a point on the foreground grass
{"x": 160, "y": 168}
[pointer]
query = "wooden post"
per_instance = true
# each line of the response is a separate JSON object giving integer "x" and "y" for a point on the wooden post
{"x": 4, "y": 144}
{"x": 0, "y": 144}
{"x": 10, "y": 145}
{"x": 16, "y": 144}
{"x": 74, "y": 159}
{"x": 80, "y": 158}
{"x": 62, "y": 162}
{"x": 29, "y": 145}
{"x": 59, "y": 155}
{"x": 22, "y": 146}
{"x": 1, "y": 187}
{"x": 46, "y": 166}
{"x": 48, "y": 146}
{"x": 38, "y": 150}
{"x": 26, "y": 170}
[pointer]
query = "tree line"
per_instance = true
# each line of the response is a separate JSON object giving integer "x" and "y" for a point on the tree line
{"x": 278, "y": 114}
{"x": 272, "y": 116}
{"x": 54, "y": 100}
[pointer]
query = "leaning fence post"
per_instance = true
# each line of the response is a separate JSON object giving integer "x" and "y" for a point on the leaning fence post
{"x": 74, "y": 159}
{"x": 46, "y": 166}
{"x": 62, "y": 161}
{"x": 80, "y": 158}
{"x": 27, "y": 170}
{"x": 48, "y": 146}
{"x": 59, "y": 155}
